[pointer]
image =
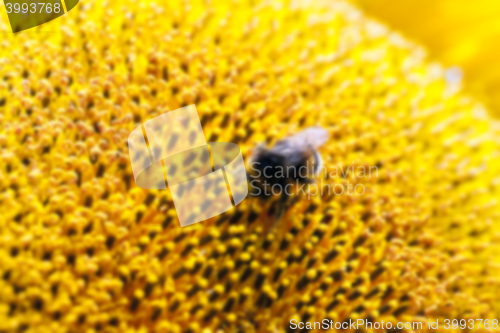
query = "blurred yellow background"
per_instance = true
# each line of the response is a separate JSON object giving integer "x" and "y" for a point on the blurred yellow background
{"x": 457, "y": 33}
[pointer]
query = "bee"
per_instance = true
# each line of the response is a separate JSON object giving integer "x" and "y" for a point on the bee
{"x": 293, "y": 160}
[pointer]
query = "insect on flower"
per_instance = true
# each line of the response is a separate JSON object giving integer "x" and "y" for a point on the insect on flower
{"x": 290, "y": 162}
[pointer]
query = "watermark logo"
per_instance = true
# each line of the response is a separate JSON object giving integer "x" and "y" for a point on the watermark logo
{"x": 309, "y": 179}
{"x": 26, "y": 14}
{"x": 205, "y": 179}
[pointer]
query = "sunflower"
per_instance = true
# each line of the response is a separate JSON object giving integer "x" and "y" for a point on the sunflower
{"x": 83, "y": 249}
{"x": 457, "y": 33}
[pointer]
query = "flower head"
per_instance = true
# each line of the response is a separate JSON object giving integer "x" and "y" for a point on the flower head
{"x": 83, "y": 249}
